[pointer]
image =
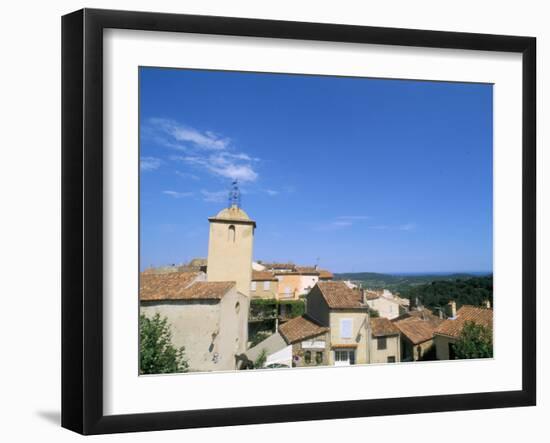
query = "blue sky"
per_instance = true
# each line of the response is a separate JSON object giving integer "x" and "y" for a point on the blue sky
{"x": 357, "y": 174}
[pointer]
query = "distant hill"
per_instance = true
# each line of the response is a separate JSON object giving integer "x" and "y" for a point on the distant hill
{"x": 392, "y": 281}
{"x": 432, "y": 290}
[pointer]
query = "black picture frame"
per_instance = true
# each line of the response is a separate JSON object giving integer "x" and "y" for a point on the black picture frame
{"x": 82, "y": 218}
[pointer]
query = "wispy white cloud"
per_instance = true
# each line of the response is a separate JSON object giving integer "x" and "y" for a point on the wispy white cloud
{"x": 403, "y": 227}
{"x": 177, "y": 194}
{"x": 223, "y": 165}
{"x": 214, "y": 196}
{"x": 205, "y": 140}
{"x": 271, "y": 192}
{"x": 149, "y": 163}
{"x": 333, "y": 225}
{"x": 347, "y": 221}
{"x": 407, "y": 227}
{"x": 204, "y": 150}
{"x": 379, "y": 227}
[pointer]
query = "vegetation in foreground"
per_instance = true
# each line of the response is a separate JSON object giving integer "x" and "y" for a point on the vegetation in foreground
{"x": 157, "y": 355}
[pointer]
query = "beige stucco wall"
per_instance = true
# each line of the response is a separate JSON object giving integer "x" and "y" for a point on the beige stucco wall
{"x": 386, "y": 308}
{"x": 393, "y": 349}
{"x": 291, "y": 281}
{"x": 359, "y": 336}
{"x": 306, "y": 282}
{"x": 260, "y": 292}
{"x": 230, "y": 260}
{"x": 442, "y": 346}
{"x": 211, "y": 331}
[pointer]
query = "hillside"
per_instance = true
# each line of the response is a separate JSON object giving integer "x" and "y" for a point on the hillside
{"x": 395, "y": 282}
{"x": 432, "y": 290}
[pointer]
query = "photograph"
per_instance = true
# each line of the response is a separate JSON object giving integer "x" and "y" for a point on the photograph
{"x": 292, "y": 221}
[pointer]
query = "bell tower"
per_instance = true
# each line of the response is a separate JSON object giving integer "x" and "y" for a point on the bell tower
{"x": 230, "y": 244}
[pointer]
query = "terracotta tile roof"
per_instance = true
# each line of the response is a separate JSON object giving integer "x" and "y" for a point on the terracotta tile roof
{"x": 278, "y": 266}
{"x": 307, "y": 270}
{"x": 425, "y": 315}
{"x": 300, "y": 328}
{"x": 323, "y": 273}
{"x": 180, "y": 286}
{"x": 476, "y": 314}
{"x": 263, "y": 276}
{"x": 343, "y": 346}
{"x": 418, "y": 326}
{"x": 381, "y": 326}
{"x": 416, "y": 330}
{"x": 369, "y": 295}
{"x": 339, "y": 296}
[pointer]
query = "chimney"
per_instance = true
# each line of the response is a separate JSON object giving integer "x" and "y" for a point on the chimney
{"x": 440, "y": 312}
{"x": 487, "y": 304}
{"x": 452, "y": 308}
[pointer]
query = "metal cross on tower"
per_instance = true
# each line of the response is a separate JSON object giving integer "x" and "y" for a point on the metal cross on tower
{"x": 235, "y": 194}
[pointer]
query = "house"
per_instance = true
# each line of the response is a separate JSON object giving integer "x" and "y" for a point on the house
{"x": 309, "y": 341}
{"x": 325, "y": 275}
{"x": 209, "y": 319}
{"x": 385, "y": 303}
{"x": 296, "y": 281}
{"x": 263, "y": 285}
{"x": 332, "y": 304}
{"x": 258, "y": 266}
{"x": 385, "y": 342}
{"x": 280, "y": 267}
{"x": 309, "y": 276}
{"x": 417, "y": 332}
{"x": 448, "y": 332}
{"x": 278, "y": 353}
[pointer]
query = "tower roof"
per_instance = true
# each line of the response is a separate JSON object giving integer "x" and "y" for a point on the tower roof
{"x": 233, "y": 214}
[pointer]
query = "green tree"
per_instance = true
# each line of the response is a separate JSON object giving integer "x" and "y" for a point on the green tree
{"x": 373, "y": 313}
{"x": 475, "y": 341}
{"x": 260, "y": 360}
{"x": 157, "y": 354}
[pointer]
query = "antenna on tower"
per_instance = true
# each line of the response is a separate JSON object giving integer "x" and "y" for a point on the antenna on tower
{"x": 235, "y": 194}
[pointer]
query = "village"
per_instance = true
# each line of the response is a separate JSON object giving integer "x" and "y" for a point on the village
{"x": 213, "y": 307}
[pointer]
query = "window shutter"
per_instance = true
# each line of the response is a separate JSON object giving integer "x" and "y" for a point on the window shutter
{"x": 346, "y": 327}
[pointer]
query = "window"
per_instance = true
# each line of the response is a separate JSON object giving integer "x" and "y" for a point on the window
{"x": 307, "y": 357}
{"x": 344, "y": 357}
{"x": 287, "y": 290}
{"x": 231, "y": 234}
{"x": 266, "y": 286}
{"x": 237, "y": 308}
{"x": 382, "y": 344}
{"x": 319, "y": 358}
{"x": 346, "y": 327}
{"x": 253, "y": 286}
{"x": 391, "y": 359}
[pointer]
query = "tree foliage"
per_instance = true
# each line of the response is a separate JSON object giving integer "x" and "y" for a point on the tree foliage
{"x": 157, "y": 354}
{"x": 260, "y": 360}
{"x": 475, "y": 341}
{"x": 471, "y": 291}
{"x": 373, "y": 313}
